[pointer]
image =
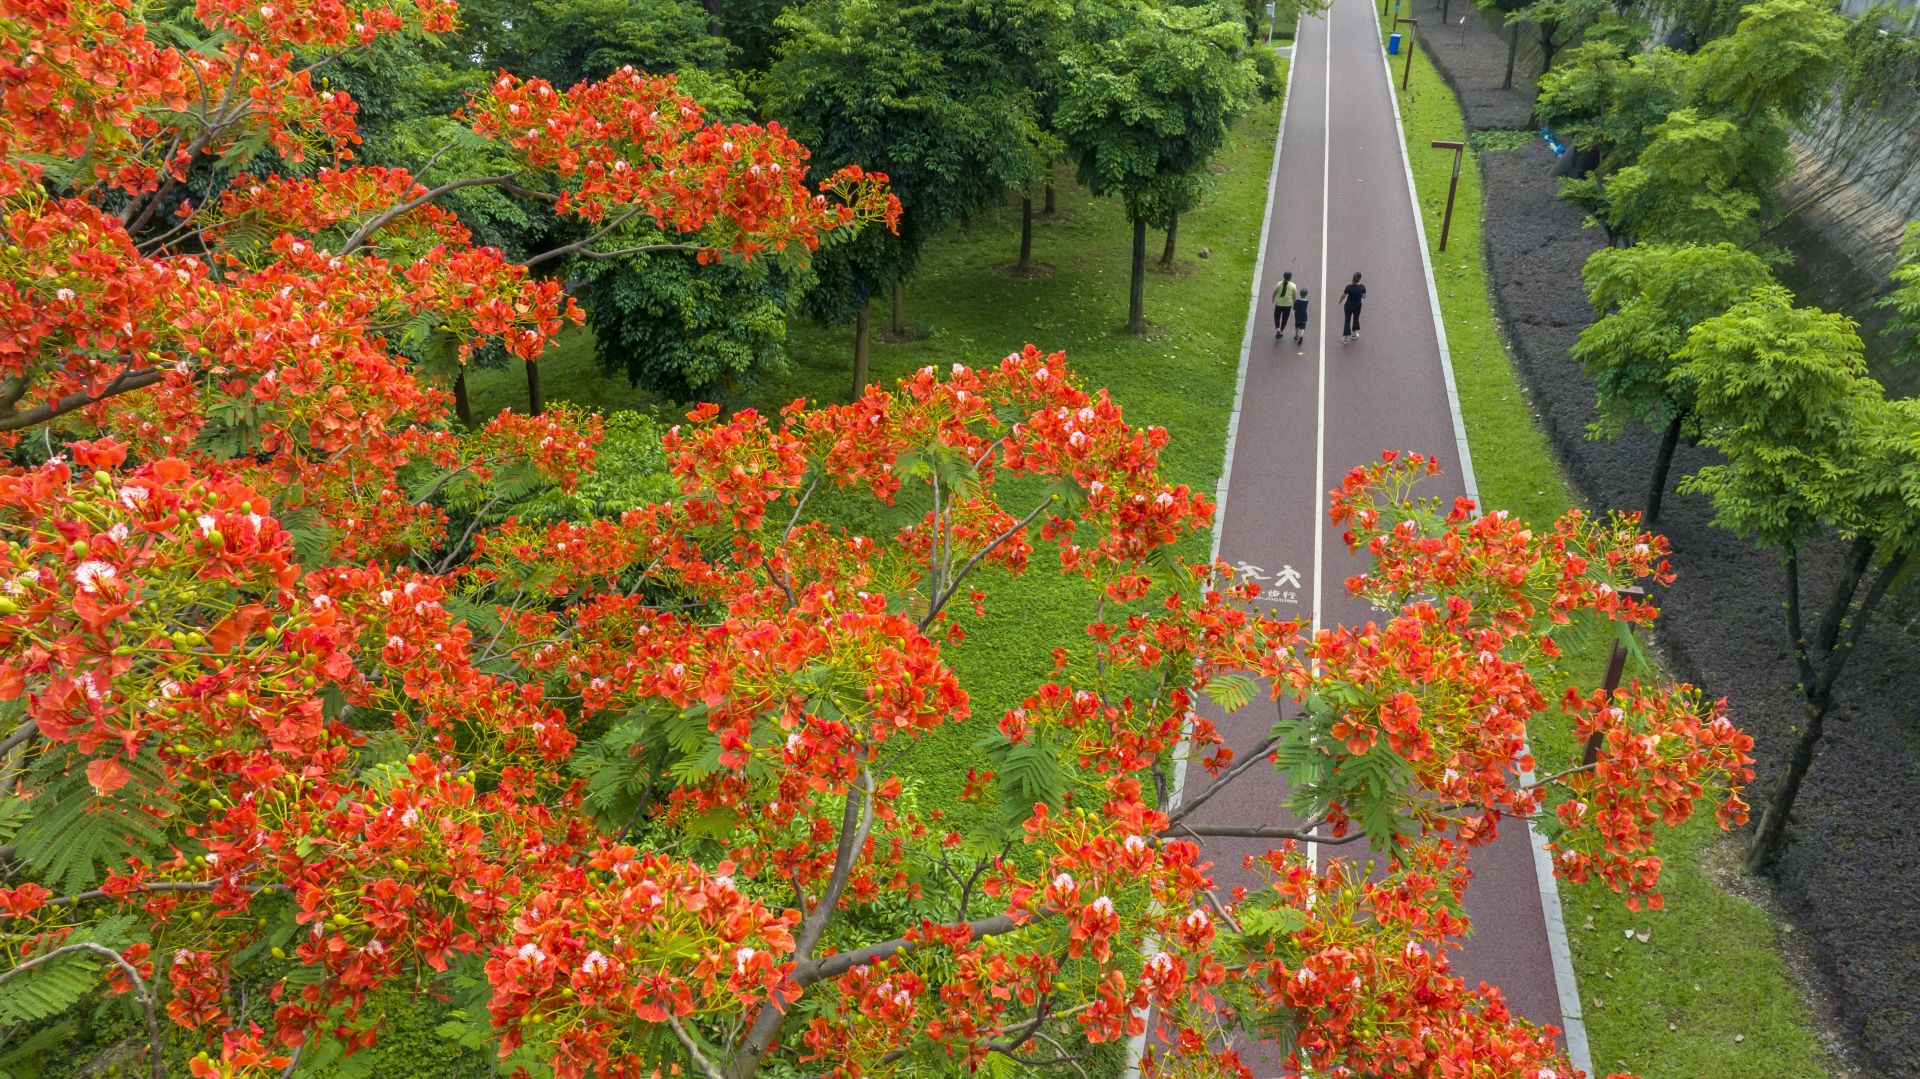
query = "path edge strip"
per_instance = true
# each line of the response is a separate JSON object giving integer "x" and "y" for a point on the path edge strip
{"x": 1575, "y": 1027}
{"x": 1137, "y": 1045}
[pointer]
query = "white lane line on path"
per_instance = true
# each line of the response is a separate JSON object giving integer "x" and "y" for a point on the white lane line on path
{"x": 1326, "y": 311}
{"x": 1137, "y": 1045}
{"x": 1575, "y": 1027}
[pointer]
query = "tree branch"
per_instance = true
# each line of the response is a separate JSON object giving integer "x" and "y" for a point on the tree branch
{"x": 855, "y": 823}
{"x": 833, "y": 966}
{"x": 387, "y": 216}
{"x": 157, "y": 886}
{"x": 1255, "y": 757}
{"x": 1857, "y": 625}
{"x": 940, "y": 602}
{"x": 124, "y": 382}
{"x": 699, "y": 1059}
{"x": 1263, "y": 832}
{"x": 22, "y": 733}
{"x": 1796, "y": 635}
{"x": 140, "y": 993}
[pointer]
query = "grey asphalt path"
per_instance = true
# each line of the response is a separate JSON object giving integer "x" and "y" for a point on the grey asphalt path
{"x": 1306, "y": 414}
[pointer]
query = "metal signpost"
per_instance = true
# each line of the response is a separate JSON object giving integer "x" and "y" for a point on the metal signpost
{"x": 1446, "y": 222}
{"x": 1408, "y": 73}
{"x": 1269, "y": 25}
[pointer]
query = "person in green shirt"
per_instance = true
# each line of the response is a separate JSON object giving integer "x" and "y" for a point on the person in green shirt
{"x": 1284, "y": 294}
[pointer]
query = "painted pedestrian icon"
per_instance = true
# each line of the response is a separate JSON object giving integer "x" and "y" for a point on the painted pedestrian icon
{"x": 1285, "y": 584}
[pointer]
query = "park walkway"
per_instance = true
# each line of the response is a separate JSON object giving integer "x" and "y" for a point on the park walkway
{"x": 1342, "y": 202}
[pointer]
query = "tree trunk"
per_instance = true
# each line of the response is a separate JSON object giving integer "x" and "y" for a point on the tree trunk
{"x": 1047, "y": 207}
{"x": 899, "y": 310}
{"x": 716, "y": 16}
{"x": 1026, "y": 232}
{"x": 1771, "y": 835}
{"x": 860, "y": 353}
{"x": 536, "y": 404}
{"x": 1829, "y": 632}
{"x": 1662, "y": 463}
{"x": 462, "y": 405}
{"x": 1173, "y": 229}
{"x": 1513, "y": 49}
{"x": 1137, "y": 288}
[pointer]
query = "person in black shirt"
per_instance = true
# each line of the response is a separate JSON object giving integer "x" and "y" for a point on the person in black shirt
{"x": 1353, "y": 294}
{"x": 1300, "y": 317}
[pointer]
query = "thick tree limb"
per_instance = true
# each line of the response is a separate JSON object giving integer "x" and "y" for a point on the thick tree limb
{"x": 21, "y": 734}
{"x": 833, "y": 966}
{"x": 392, "y": 213}
{"x": 855, "y": 824}
{"x": 124, "y": 382}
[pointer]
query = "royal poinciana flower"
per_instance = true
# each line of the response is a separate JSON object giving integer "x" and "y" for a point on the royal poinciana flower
{"x": 301, "y": 708}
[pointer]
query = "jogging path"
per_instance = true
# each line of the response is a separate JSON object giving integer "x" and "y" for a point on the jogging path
{"x": 1342, "y": 202}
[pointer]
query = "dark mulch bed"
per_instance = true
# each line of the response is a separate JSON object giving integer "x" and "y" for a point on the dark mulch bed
{"x": 1850, "y": 881}
{"x": 1474, "y": 60}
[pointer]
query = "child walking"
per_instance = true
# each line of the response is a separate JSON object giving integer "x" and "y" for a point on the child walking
{"x": 1300, "y": 317}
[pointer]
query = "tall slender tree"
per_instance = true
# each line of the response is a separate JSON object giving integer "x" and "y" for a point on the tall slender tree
{"x": 931, "y": 92}
{"x": 1646, "y": 299}
{"x": 1811, "y": 446}
{"x": 1151, "y": 104}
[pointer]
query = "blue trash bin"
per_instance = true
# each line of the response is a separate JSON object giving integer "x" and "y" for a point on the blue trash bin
{"x": 1393, "y": 44}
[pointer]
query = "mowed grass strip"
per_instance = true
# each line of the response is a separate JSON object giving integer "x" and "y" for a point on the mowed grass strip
{"x": 1696, "y": 990}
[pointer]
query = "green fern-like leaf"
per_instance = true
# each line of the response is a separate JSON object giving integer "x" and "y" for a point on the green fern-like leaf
{"x": 71, "y": 835}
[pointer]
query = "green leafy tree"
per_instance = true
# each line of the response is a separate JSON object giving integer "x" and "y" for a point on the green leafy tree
{"x": 1782, "y": 58}
{"x": 931, "y": 92}
{"x": 687, "y": 331}
{"x": 1145, "y": 107}
{"x": 1904, "y": 300}
{"x": 1609, "y": 99}
{"x": 410, "y": 88}
{"x": 1702, "y": 20}
{"x": 1811, "y": 445}
{"x": 1646, "y": 300}
{"x": 1556, "y": 24}
{"x": 1697, "y": 182}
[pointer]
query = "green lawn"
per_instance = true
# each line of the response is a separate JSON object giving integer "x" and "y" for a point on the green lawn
{"x": 1705, "y": 995}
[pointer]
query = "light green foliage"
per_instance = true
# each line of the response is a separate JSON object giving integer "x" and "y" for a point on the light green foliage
{"x": 1687, "y": 186}
{"x": 1783, "y": 393}
{"x": 1646, "y": 299}
{"x": 1703, "y": 19}
{"x": 1889, "y": 477}
{"x": 1882, "y": 58}
{"x": 1607, "y": 98}
{"x": 1154, "y": 102}
{"x": 1693, "y": 148}
{"x": 1782, "y": 57}
{"x": 1904, "y": 300}
{"x": 630, "y": 470}
{"x": 1558, "y": 23}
